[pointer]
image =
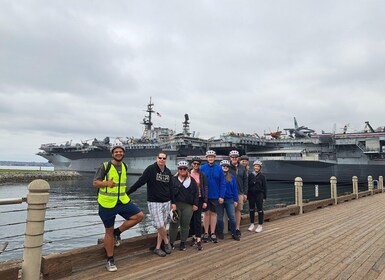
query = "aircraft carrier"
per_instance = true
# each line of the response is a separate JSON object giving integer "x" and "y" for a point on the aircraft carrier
{"x": 140, "y": 152}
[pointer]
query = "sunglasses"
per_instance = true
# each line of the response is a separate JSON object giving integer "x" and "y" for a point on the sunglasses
{"x": 164, "y": 158}
{"x": 182, "y": 168}
{"x": 225, "y": 166}
{"x": 196, "y": 163}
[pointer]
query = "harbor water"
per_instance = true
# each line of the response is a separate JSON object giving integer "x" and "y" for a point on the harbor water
{"x": 72, "y": 220}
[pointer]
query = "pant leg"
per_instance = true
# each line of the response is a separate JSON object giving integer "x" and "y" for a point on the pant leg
{"x": 259, "y": 202}
{"x": 230, "y": 210}
{"x": 220, "y": 213}
{"x": 185, "y": 218}
{"x": 197, "y": 220}
{"x": 252, "y": 201}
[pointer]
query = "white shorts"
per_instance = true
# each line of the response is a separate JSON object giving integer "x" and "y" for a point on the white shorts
{"x": 159, "y": 213}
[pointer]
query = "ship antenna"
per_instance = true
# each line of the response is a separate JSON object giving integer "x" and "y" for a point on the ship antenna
{"x": 147, "y": 120}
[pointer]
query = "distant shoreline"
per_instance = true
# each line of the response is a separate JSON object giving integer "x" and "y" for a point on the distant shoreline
{"x": 21, "y": 176}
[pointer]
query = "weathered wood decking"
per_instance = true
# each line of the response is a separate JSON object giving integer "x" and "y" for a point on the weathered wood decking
{"x": 345, "y": 241}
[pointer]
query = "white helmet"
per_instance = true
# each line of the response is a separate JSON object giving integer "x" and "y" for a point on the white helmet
{"x": 234, "y": 153}
{"x": 225, "y": 162}
{"x": 211, "y": 153}
{"x": 257, "y": 162}
{"x": 182, "y": 163}
{"x": 117, "y": 145}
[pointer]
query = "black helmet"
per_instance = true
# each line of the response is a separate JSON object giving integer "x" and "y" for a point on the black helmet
{"x": 173, "y": 216}
{"x": 244, "y": 157}
{"x": 196, "y": 159}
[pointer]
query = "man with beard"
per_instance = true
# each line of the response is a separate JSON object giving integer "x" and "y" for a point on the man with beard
{"x": 110, "y": 179}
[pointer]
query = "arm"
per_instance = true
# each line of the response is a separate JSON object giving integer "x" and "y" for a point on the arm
{"x": 235, "y": 190}
{"x": 205, "y": 187}
{"x": 245, "y": 182}
{"x": 141, "y": 181}
{"x": 99, "y": 178}
{"x": 264, "y": 187}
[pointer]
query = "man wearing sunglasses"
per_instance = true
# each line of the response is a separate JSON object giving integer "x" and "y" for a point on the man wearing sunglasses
{"x": 159, "y": 186}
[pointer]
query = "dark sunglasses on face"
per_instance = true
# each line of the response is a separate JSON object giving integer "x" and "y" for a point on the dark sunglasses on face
{"x": 196, "y": 163}
{"x": 182, "y": 168}
{"x": 164, "y": 158}
{"x": 225, "y": 166}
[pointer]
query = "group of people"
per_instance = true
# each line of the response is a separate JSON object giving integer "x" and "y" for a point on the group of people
{"x": 180, "y": 199}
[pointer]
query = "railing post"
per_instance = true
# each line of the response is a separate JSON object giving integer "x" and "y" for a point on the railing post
{"x": 37, "y": 200}
{"x": 298, "y": 193}
{"x": 355, "y": 186}
{"x": 381, "y": 182}
{"x": 370, "y": 184}
{"x": 333, "y": 189}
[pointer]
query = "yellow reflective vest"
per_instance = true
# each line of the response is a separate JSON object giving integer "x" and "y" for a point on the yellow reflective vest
{"x": 108, "y": 197}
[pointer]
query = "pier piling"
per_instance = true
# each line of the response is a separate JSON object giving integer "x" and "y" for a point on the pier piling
{"x": 355, "y": 186}
{"x": 333, "y": 189}
{"x": 37, "y": 200}
{"x": 298, "y": 183}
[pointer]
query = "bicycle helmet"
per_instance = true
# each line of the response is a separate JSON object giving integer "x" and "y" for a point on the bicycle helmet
{"x": 117, "y": 145}
{"x": 182, "y": 163}
{"x": 234, "y": 153}
{"x": 173, "y": 216}
{"x": 257, "y": 162}
{"x": 211, "y": 153}
{"x": 196, "y": 159}
{"x": 244, "y": 157}
{"x": 225, "y": 162}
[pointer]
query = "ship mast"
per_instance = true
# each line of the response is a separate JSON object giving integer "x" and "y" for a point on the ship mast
{"x": 147, "y": 121}
{"x": 186, "y": 126}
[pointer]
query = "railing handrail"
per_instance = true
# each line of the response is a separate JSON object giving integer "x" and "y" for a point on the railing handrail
{"x": 8, "y": 201}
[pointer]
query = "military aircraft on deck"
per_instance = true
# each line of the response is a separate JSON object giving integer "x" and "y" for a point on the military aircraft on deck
{"x": 299, "y": 131}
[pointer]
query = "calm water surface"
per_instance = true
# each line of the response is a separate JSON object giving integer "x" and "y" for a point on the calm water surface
{"x": 72, "y": 220}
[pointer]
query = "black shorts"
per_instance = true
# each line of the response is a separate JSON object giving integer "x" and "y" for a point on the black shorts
{"x": 212, "y": 205}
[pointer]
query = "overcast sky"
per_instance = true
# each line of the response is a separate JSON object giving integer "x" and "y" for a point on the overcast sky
{"x": 76, "y": 70}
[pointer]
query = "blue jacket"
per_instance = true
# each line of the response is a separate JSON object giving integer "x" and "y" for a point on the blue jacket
{"x": 232, "y": 189}
{"x": 215, "y": 179}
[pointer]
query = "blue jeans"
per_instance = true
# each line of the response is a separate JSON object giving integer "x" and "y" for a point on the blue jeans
{"x": 228, "y": 204}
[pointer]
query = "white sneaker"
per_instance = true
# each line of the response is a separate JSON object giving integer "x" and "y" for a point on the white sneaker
{"x": 258, "y": 229}
{"x": 251, "y": 227}
{"x": 110, "y": 266}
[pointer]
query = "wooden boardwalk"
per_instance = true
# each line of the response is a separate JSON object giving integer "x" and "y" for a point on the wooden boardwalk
{"x": 345, "y": 241}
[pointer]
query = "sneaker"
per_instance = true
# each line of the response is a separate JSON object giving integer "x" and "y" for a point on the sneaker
{"x": 117, "y": 240}
{"x": 172, "y": 245}
{"x": 214, "y": 238}
{"x": 236, "y": 237}
{"x": 199, "y": 246}
{"x": 221, "y": 235}
{"x": 160, "y": 252}
{"x": 168, "y": 248}
{"x": 194, "y": 242}
{"x": 251, "y": 227}
{"x": 110, "y": 265}
{"x": 238, "y": 232}
{"x": 182, "y": 246}
{"x": 205, "y": 238}
{"x": 259, "y": 228}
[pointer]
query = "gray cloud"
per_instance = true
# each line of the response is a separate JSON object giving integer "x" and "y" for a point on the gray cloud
{"x": 75, "y": 70}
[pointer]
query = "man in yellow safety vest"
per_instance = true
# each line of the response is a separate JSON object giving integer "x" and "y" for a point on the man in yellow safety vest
{"x": 110, "y": 179}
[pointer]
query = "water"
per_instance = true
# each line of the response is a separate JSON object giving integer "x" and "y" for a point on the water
{"x": 72, "y": 220}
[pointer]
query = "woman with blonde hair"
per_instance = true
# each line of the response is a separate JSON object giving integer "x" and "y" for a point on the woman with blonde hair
{"x": 184, "y": 192}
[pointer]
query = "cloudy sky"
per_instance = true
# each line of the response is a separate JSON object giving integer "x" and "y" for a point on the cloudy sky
{"x": 76, "y": 70}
